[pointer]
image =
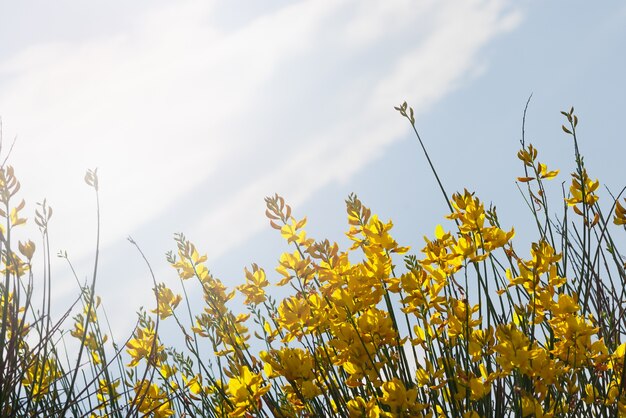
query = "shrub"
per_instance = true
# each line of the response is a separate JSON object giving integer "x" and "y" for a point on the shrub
{"x": 467, "y": 329}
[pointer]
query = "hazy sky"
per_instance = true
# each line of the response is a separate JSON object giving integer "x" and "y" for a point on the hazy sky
{"x": 193, "y": 111}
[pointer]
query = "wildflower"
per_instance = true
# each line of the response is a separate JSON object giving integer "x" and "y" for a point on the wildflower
{"x": 377, "y": 234}
{"x": 545, "y": 174}
{"x": 356, "y": 356}
{"x": 460, "y": 318}
{"x": 144, "y": 345}
{"x": 194, "y": 384}
{"x": 245, "y": 389}
{"x": 40, "y": 376}
{"x": 581, "y": 186}
{"x": 14, "y": 215}
{"x": 151, "y": 400}
{"x": 375, "y": 325}
{"x": 91, "y": 339}
{"x": 166, "y": 300}
{"x": 481, "y": 343}
{"x": 294, "y": 315}
{"x": 494, "y": 237}
{"x": 107, "y": 390}
{"x": 291, "y": 263}
{"x": 190, "y": 261}
{"x": 512, "y": 348}
{"x": 479, "y": 386}
{"x": 232, "y": 331}
{"x": 527, "y": 155}
{"x": 401, "y": 401}
{"x": 256, "y": 281}
{"x": 532, "y": 407}
{"x": 167, "y": 371}
{"x": 441, "y": 253}
{"x": 13, "y": 264}
{"x": 359, "y": 408}
{"x": 469, "y": 211}
{"x": 620, "y": 214}
{"x": 296, "y": 366}
{"x": 293, "y": 232}
{"x": 27, "y": 249}
{"x": 573, "y": 334}
{"x": 416, "y": 285}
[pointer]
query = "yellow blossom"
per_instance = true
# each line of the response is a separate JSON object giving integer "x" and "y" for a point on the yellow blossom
{"x": 620, "y": 214}
{"x": 245, "y": 389}
{"x": 167, "y": 301}
{"x": 151, "y": 400}
{"x": 253, "y": 290}
{"x": 40, "y": 376}
{"x": 359, "y": 408}
{"x": 144, "y": 345}
{"x": 582, "y": 185}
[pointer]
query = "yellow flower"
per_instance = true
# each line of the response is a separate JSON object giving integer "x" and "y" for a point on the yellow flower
{"x": 444, "y": 252}
{"x": 469, "y": 210}
{"x": 545, "y": 174}
{"x": 545, "y": 367}
{"x": 190, "y": 262}
{"x": 194, "y": 385}
{"x": 582, "y": 185}
{"x": 256, "y": 281}
{"x": 494, "y": 237}
{"x": 294, "y": 315}
{"x": 168, "y": 371}
{"x": 245, "y": 389}
{"x": 293, "y": 232}
{"x": 460, "y": 318}
{"x": 166, "y": 300}
{"x": 573, "y": 340}
{"x": 512, "y": 348}
{"x": 532, "y": 407}
{"x": 481, "y": 343}
{"x": 40, "y": 376}
{"x": 14, "y": 215}
{"x": 375, "y": 325}
{"x": 544, "y": 256}
{"x": 566, "y": 306}
{"x": 293, "y": 265}
{"x": 13, "y": 264}
{"x": 296, "y": 366}
{"x": 401, "y": 401}
{"x": 591, "y": 394}
{"x": 359, "y": 408}
{"x": 620, "y": 214}
{"x": 377, "y": 233}
{"x": 107, "y": 390}
{"x": 91, "y": 339}
{"x": 527, "y": 155}
{"x": 479, "y": 387}
{"x": 150, "y": 399}
{"x": 27, "y": 249}
{"x": 144, "y": 345}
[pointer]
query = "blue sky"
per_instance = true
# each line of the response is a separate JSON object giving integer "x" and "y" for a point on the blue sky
{"x": 193, "y": 111}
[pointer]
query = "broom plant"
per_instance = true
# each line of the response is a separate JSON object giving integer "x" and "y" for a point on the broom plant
{"x": 468, "y": 326}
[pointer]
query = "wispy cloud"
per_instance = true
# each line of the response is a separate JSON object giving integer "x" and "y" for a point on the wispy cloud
{"x": 176, "y": 108}
{"x": 424, "y": 71}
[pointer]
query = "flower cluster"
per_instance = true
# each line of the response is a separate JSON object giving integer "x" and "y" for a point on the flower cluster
{"x": 466, "y": 327}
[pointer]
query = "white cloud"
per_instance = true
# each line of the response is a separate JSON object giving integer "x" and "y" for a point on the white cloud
{"x": 423, "y": 74}
{"x": 296, "y": 99}
{"x": 150, "y": 107}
